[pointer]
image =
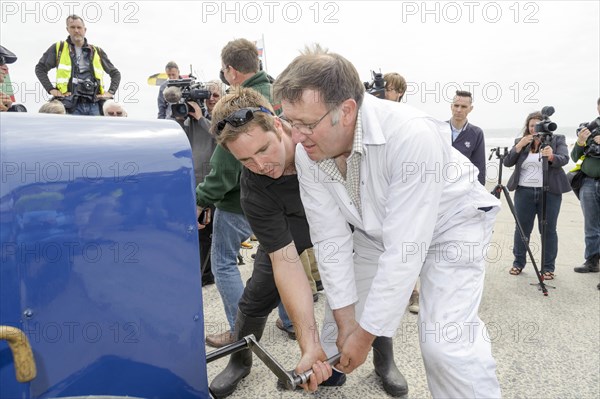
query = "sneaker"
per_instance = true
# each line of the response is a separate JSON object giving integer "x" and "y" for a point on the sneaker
{"x": 290, "y": 330}
{"x": 246, "y": 245}
{"x": 220, "y": 340}
{"x": 413, "y": 302}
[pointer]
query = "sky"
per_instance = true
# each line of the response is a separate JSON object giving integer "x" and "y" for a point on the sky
{"x": 514, "y": 56}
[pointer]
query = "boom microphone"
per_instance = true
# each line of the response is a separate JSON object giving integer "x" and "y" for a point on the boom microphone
{"x": 172, "y": 94}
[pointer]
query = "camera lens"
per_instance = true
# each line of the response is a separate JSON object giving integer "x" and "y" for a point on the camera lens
{"x": 180, "y": 109}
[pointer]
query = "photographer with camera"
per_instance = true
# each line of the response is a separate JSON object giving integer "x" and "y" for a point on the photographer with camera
{"x": 527, "y": 182}
{"x": 395, "y": 86}
{"x": 164, "y": 110}
{"x": 190, "y": 115}
{"x": 80, "y": 68}
{"x": 588, "y": 148}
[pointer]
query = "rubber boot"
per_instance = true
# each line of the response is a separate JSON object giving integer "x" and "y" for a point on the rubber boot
{"x": 240, "y": 362}
{"x": 394, "y": 382}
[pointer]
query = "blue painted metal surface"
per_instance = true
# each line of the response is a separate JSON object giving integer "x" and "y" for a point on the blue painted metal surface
{"x": 99, "y": 257}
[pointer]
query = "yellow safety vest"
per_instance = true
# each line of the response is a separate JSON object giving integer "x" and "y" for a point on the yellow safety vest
{"x": 64, "y": 68}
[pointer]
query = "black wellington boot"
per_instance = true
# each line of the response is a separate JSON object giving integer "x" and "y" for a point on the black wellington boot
{"x": 394, "y": 382}
{"x": 240, "y": 362}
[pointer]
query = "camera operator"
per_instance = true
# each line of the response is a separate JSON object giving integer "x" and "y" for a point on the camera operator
{"x": 164, "y": 110}
{"x": 203, "y": 144}
{"x": 527, "y": 182}
{"x": 6, "y": 57}
{"x": 80, "y": 68}
{"x": 217, "y": 90}
{"x": 395, "y": 86}
{"x": 588, "y": 142}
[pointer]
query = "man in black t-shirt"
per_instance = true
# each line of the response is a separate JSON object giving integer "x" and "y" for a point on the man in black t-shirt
{"x": 244, "y": 124}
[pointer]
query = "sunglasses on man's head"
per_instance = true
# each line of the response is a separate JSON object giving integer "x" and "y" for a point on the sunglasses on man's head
{"x": 240, "y": 117}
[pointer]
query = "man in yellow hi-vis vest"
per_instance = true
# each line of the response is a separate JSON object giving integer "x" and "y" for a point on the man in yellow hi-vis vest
{"x": 80, "y": 69}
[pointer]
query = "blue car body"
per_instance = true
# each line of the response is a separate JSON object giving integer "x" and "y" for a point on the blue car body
{"x": 99, "y": 257}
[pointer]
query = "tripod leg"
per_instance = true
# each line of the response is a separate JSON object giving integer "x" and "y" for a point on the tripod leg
{"x": 524, "y": 238}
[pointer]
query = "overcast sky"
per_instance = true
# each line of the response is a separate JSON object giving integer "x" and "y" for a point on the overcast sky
{"x": 515, "y": 56}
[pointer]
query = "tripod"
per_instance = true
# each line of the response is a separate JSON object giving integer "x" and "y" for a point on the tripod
{"x": 500, "y": 188}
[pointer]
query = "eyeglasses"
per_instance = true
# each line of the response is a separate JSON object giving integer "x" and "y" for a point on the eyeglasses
{"x": 240, "y": 117}
{"x": 306, "y": 128}
{"x": 113, "y": 113}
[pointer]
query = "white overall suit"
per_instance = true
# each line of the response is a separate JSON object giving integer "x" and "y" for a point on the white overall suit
{"x": 420, "y": 216}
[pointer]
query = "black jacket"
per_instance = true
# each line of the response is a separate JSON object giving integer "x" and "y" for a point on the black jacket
{"x": 557, "y": 179}
{"x": 471, "y": 143}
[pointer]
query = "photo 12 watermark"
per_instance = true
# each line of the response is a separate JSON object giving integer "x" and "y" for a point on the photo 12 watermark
{"x": 253, "y": 12}
{"x": 57, "y": 11}
{"x": 67, "y": 252}
{"x": 487, "y": 92}
{"x": 27, "y": 92}
{"x": 68, "y": 171}
{"x": 89, "y": 332}
{"x": 455, "y": 12}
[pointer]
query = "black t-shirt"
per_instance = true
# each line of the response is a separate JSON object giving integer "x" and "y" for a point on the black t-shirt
{"x": 274, "y": 210}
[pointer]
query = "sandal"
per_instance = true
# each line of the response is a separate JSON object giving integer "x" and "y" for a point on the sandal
{"x": 515, "y": 271}
{"x": 548, "y": 276}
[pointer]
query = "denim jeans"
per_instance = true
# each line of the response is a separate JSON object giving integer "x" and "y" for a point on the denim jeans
{"x": 86, "y": 108}
{"x": 589, "y": 197}
{"x": 287, "y": 323}
{"x": 229, "y": 230}
{"x": 528, "y": 205}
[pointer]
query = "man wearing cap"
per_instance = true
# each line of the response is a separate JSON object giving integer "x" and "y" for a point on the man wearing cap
{"x": 6, "y": 57}
{"x": 80, "y": 69}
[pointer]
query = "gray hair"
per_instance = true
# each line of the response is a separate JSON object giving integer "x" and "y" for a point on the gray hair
{"x": 112, "y": 103}
{"x": 53, "y": 107}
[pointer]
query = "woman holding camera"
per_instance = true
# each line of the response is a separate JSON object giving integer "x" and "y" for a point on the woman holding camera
{"x": 527, "y": 182}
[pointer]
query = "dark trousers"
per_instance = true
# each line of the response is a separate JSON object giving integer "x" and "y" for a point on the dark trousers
{"x": 260, "y": 296}
{"x": 205, "y": 241}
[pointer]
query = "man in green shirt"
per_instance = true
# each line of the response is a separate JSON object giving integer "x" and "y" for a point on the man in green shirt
{"x": 222, "y": 188}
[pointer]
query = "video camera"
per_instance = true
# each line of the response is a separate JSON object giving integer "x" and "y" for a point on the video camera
{"x": 376, "y": 87}
{"x": 592, "y": 148}
{"x": 545, "y": 127}
{"x": 191, "y": 90}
